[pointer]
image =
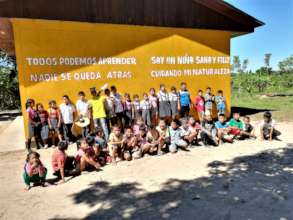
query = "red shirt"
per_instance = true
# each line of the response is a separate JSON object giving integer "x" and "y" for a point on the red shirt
{"x": 58, "y": 159}
{"x": 199, "y": 103}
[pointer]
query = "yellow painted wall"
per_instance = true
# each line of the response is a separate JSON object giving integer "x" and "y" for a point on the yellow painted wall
{"x": 59, "y": 39}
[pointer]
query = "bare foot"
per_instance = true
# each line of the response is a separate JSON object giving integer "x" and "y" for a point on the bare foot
{"x": 27, "y": 188}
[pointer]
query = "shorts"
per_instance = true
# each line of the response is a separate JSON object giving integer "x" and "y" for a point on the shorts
{"x": 164, "y": 109}
{"x": 45, "y": 132}
{"x": 235, "y": 131}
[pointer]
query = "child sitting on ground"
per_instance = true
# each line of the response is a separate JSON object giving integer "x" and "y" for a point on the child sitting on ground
{"x": 208, "y": 132}
{"x": 62, "y": 164}
{"x": 153, "y": 137}
{"x": 236, "y": 126}
{"x": 144, "y": 145}
{"x": 248, "y": 129}
{"x": 267, "y": 128}
{"x": 34, "y": 171}
{"x": 137, "y": 123}
{"x": 115, "y": 144}
{"x": 223, "y": 130}
{"x": 190, "y": 136}
{"x": 129, "y": 147}
{"x": 164, "y": 139}
{"x": 86, "y": 156}
{"x": 100, "y": 140}
{"x": 176, "y": 137}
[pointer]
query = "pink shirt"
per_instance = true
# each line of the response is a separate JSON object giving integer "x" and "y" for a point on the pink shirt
{"x": 58, "y": 159}
{"x": 34, "y": 170}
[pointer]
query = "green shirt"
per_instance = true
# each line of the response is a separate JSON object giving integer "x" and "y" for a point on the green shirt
{"x": 234, "y": 123}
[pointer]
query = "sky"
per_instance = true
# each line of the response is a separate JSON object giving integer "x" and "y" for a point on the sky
{"x": 275, "y": 37}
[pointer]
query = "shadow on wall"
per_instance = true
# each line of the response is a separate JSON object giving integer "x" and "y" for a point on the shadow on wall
{"x": 247, "y": 111}
{"x": 249, "y": 187}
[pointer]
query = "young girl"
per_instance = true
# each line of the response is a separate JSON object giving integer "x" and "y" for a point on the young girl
{"x": 153, "y": 138}
{"x": 33, "y": 124}
{"x": 137, "y": 123}
{"x": 115, "y": 144}
{"x": 164, "y": 104}
{"x": 164, "y": 138}
{"x": 43, "y": 115}
{"x": 209, "y": 98}
{"x": 199, "y": 105}
{"x": 34, "y": 171}
{"x": 174, "y": 102}
{"x": 145, "y": 107}
{"x": 136, "y": 111}
{"x": 127, "y": 109}
{"x": 54, "y": 121}
{"x": 154, "y": 103}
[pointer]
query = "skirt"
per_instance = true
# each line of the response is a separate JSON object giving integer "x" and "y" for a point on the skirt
{"x": 174, "y": 108}
{"x": 164, "y": 109}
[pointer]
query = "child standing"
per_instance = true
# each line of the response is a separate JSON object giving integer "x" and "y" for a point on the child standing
{"x": 136, "y": 111}
{"x": 43, "y": 115}
{"x": 199, "y": 105}
{"x": 54, "y": 122}
{"x": 154, "y": 102}
{"x": 110, "y": 109}
{"x": 184, "y": 100}
{"x": 209, "y": 98}
{"x": 82, "y": 110}
{"x": 174, "y": 102}
{"x": 68, "y": 115}
{"x": 119, "y": 111}
{"x": 164, "y": 103}
{"x": 267, "y": 128}
{"x": 145, "y": 107}
{"x": 34, "y": 171}
{"x": 221, "y": 102}
{"x": 127, "y": 109}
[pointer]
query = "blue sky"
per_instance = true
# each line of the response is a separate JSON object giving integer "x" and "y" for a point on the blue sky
{"x": 275, "y": 37}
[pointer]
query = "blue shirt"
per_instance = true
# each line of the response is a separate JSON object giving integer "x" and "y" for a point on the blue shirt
{"x": 219, "y": 125}
{"x": 184, "y": 97}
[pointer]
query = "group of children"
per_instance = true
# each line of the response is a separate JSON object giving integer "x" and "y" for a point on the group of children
{"x": 157, "y": 124}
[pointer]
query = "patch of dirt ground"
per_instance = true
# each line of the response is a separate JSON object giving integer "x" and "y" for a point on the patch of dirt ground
{"x": 247, "y": 180}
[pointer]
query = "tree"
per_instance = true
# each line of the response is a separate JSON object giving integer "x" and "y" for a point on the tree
{"x": 236, "y": 65}
{"x": 244, "y": 65}
{"x": 267, "y": 61}
{"x": 286, "y": 65}
{"x": 9, "y": 92}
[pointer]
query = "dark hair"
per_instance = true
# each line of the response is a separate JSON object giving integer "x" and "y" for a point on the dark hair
{"x": 209, "y": 88}
{"x": 162, "y": 85}
{"x": 135, "y": 96}
{"x": 220, "y": 91}
{"x": 39, "y": 104}
{"x": 128, "y": 127}
{"x": 173, "y": 88}
{"x": 107, "y": 91}
{"x": 113, "y": 88}
{"x": 199, "y": 90}
{"x": 32, "y": 153}
{"x": 222, "y": 115}
{"x": 183, "y": 83}
{"x": 29, "y": 102}
{"x": 97, "y": 130}
{"x": 62, "y": 145}
{"x": 90, "y": 140}
{"x": 142, "y": 128}
{"x": 81, "y": 93}
{"x": 152, "y": 89}
{"x": 66, "y": 96}
{"x": 267, "y": 114}
{"x": 51, "y": 102}
{"x": 236, "y": 113}
{"x": 176, "y": 121}
{"x": 247, "y": 117}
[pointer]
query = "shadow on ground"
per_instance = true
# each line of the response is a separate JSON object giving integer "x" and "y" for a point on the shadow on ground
{"x": 249, "y": 187}
{"x": 247, "y": 111}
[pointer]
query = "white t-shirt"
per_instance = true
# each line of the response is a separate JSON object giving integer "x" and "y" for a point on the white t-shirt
{"x": 268, "y": 124}
{"x": 67, "y": 113}
{"x": 82, "y": 107}
{"x": 118, "y": 103}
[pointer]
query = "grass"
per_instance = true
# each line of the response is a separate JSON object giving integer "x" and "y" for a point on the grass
{"x": 281, "y": 107}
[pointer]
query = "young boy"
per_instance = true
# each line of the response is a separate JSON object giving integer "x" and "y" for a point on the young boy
{"x": 199, "y": 105}
{"x": 221, "y": 102}
{"x": 110, "y": 109}
{"x": 129, "y": 147}
{"x": 236, "y": 126}
{"x": 118, "y": 104}
{"x": 267, "y": 128}
{"x": 176, "y": 139}
{"x": 189, "y": 136}
{"x": 223, "y": 129}
{"x": 209, "y": 98}
{"x": 248, "y": 129}
{"x": 184, "y": 100}
{"x": 82, "y": 108}
{"x": 68, "y": 116}
{"x": 208, "y": 132}
{"x": 115, "y": 144}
